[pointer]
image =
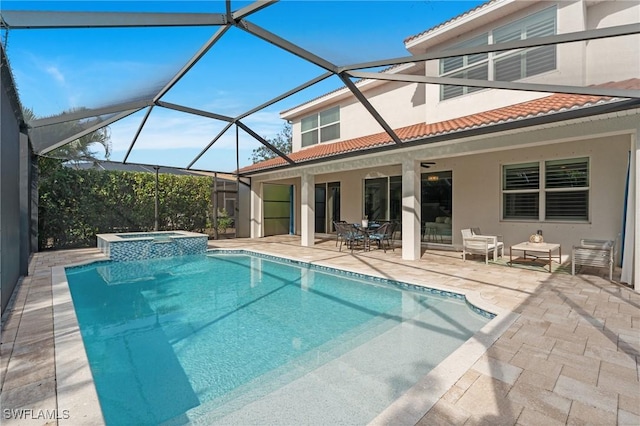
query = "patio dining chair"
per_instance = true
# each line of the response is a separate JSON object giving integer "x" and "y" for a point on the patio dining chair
{"x": 382, "y": 234}
{"x": 338, "y": 230}
{"x": 480, "y": 244}
{"x": 350, "y": 235}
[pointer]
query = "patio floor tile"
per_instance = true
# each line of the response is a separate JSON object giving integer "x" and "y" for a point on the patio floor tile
{"x": 587, "y": 395}
{"x": 497, "y": 369}
{"x": 582, "y": 414}
{"x": 530, "y": 417}
{"x": 628, "y": 419}
{"x": 540, "y": 400}
{"x": 571, "y": 357}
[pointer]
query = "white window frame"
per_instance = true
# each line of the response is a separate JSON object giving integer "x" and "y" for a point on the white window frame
{"x": 319, "y": 126}
{"x": 522, "y": 25}
{"x": 466, "y": 66}
{"x": 494, "y": 57}
{"x": 543, "y": 190}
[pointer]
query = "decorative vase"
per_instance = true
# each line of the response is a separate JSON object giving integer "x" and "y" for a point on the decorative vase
{"x": 536, "y": 238}
{"x": 365, "y": 223}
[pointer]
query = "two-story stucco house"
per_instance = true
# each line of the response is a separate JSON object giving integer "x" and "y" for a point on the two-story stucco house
{"x": 441, "y": 157}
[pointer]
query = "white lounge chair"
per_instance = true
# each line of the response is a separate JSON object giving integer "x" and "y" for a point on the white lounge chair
{"x": 481, "y": 244}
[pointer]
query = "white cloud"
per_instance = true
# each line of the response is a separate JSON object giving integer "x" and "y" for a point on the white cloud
{"x": 55, "y": 72}
{"x": 170, "y": 130}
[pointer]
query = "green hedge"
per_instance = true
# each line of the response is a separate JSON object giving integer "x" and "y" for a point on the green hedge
{"x": 75, "y": 205}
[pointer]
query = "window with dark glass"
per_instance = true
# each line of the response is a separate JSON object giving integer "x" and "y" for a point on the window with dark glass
{"x": 470, "y": 66}
{"x": 395, "y": 198}
{"x": 521, "y": 191}
{"x": 321, "y": 127}
{"x": 376, "y": 196}
{"x": 563, "y": 193}
{"x": 567, "y": 189}
{"x": 510, "y": 66}
{"x": 505, "y": 66}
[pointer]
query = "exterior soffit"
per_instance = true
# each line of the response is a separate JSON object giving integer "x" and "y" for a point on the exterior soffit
{"x": 343, "y": 93}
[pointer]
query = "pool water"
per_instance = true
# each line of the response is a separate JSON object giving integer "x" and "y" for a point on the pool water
{"x": 235, "y": 338}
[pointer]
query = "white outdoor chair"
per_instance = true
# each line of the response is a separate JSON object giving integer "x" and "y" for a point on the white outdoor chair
{"x": 481, "y": 244}
{"x": 597, "y": 253}
{"x": 499, "y": 243}
{"x": 476, "y": 231}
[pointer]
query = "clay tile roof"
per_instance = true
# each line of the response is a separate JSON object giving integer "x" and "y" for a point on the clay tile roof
{"x": 555, "y": 103}
{"x": 455, "y": 18}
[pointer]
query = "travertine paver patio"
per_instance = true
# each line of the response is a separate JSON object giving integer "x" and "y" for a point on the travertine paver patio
{"x": 571, "y": 356}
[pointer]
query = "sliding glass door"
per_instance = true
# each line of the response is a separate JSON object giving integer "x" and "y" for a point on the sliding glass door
{"x": 383, "y": 198}
{"x": 320, "y": 209}
{"x": 333, "y": 204}
{"x": 327, "y": 206}
{"x": 437, "y": 207}
{"x": 276, "y": 202}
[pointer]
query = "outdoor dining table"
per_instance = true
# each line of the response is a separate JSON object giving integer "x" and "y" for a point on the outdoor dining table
{"x": 368, "y": 230}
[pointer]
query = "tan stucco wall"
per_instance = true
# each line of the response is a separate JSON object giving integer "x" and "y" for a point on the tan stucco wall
{"x": 579, "y": 63}
{"x": 570, "y": 68}
{"x": 477, "y": 182}
{"x": 399, "y": 104}
{"x": 616, "y": 58}
{"x": 477, "y": 197}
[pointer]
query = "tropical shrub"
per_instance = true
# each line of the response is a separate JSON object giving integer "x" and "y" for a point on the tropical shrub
{"x": 75, "y": 205}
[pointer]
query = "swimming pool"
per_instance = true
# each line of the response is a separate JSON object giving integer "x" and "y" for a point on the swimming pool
{"x": 238, "y": 338}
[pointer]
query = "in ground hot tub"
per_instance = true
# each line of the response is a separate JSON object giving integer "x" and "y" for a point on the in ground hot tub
{"x": 151, "y": 245}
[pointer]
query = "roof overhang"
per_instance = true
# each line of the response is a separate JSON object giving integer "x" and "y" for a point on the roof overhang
{"x": 521, "y": 124}
{"x": 469, "y": 21}
{"x": 344, "y": 93}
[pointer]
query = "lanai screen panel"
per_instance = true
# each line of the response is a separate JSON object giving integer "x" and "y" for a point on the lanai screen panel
{"x": 110, "y": 61}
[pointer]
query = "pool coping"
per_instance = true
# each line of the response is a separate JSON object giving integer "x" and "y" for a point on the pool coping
{"x": 76, "y": 389}
{"x": 115, "y": 237}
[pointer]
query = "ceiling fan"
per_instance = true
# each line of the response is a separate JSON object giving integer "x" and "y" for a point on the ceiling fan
{"x": 427, "y": 164}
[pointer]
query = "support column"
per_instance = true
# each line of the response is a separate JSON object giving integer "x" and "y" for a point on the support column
{"x": 307, "y": 205}
{"x": 635, "y": 205}
{"x": 411, "y": 209}
{"x": 631, "y": 260}
{"x": 256, "y": 209}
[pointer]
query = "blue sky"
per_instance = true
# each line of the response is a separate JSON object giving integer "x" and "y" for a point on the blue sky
{"x": 60, "y": 69}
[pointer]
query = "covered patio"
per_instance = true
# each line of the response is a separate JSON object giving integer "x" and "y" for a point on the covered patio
{"x": 566, "y": 351}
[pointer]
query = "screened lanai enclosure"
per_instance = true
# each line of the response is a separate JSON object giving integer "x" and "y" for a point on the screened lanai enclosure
{"x": 200, "y": 86}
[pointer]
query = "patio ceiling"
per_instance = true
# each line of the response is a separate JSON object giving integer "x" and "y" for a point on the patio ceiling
{"x": 150, "y": 99}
